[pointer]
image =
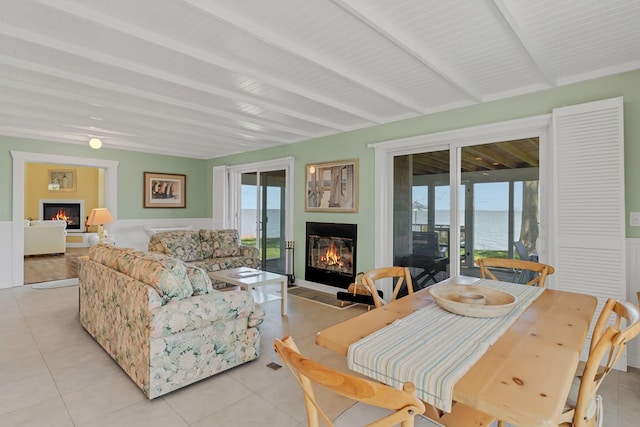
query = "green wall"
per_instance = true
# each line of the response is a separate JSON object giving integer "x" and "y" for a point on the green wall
{"x": 342, "y": 146}
{"x": 354, "y": 145}
{"x": 131, "y": 167}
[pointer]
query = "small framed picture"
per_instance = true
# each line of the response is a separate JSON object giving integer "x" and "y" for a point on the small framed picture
{"x": 332, "y": 186}
{"x": 164, "y": 190}
{"x": 62, "y": 180}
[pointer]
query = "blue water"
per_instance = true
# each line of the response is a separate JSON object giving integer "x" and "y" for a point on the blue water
{"x": 491, "y": 227}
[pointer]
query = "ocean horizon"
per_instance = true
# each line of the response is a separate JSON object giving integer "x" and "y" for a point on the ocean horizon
{"x": 491, "y": 227}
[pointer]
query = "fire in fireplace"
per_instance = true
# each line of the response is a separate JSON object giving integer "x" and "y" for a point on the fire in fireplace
{"x": 71, "y": 211}
{"x": 331, "y": 253}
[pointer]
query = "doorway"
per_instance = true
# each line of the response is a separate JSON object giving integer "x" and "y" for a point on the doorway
{"x": 262, "y": 214}
{"x": 498, "y": 205}
{"x": 453, "y": 189}
{"x": 262, "y": 209}
{"x": 20, "y": 159}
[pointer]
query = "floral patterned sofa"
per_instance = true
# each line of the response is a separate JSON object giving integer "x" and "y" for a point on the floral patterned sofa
{"x": 161, "y": 320}
{"x": 211, "y": 250}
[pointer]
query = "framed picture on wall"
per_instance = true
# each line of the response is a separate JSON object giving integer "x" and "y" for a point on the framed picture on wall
{"x": 332, "y": 186}
{"x": 62, "y": 180}
{"x": 164, "y": 190}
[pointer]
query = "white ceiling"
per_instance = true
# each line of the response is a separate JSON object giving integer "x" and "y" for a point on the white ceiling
{"x": 208, "y": 78}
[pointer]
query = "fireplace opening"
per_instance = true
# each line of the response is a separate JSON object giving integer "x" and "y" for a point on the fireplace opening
{"x": 70, "y": 211}
{"x": 331, "y": 253}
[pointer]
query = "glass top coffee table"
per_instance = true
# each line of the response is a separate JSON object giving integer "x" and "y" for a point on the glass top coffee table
{"x": 249, "y": 278}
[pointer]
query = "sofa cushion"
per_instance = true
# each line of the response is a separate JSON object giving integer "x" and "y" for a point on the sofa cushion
{"x": 225, "y": 263}
{"x": 165, "y": 274}
{"x": 184, "y": 245}
{"x": 224, "y": 243}
{"x": 108, "y": 255}
{"x": 199, "y": 311}
{"x": 200, "y": 281}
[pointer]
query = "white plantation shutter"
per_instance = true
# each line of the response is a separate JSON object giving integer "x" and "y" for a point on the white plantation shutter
{"x": 220, "y": 197}
{"x": 589, "y": 243}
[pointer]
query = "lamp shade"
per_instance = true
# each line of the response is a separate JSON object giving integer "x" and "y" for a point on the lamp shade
{"x": 100, "y": 216}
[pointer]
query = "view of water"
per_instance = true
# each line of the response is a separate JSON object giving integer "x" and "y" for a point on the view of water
{"x": 248, "y": 223}
{"x": 491, "y": 227}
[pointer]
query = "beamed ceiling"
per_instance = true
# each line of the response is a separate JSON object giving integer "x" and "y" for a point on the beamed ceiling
{"x": 517, "y": 154}
{"x": 209, "y": 78}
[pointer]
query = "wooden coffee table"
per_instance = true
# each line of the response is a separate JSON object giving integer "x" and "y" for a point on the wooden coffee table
{"x": 249, "y": 278}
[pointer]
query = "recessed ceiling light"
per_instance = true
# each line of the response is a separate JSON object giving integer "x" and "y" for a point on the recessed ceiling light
{"x": 95, "y": 143}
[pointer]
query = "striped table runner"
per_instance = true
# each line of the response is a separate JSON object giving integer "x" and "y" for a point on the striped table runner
{"x": 433, "y": 348}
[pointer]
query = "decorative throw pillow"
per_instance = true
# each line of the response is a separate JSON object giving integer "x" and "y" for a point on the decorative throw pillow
{"x": 224, "y": 243}
{"x": 184, "y": 245}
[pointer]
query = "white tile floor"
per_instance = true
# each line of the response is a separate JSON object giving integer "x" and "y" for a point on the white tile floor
{"x": 53, "y": 373}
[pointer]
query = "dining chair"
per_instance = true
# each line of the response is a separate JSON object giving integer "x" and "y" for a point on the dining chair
{"x": 401, "y": 405}
{"x": 376, "y": 404}
{"x": 609, "y": 339}
{"x": 540, "y": 271}
{"x": 402, "y": 276}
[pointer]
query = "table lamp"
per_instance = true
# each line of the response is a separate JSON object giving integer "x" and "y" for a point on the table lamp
{"x": 100, "y": 217}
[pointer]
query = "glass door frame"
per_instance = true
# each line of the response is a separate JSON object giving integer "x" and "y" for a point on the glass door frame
{"x": 538, "y": 126}
{"x": 235, "y": 190}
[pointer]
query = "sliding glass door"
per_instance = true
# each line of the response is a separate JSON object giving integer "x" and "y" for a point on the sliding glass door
{"x": 421, "y": 215}
{"x": 262, "y": 216}
{"x": 497, "y": 208}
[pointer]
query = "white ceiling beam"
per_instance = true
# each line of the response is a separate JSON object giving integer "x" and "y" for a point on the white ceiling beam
{"x": 107, "y": 21}
{"x": 160, "y": 146}
{"x": 19, "y": 132}
{"x": 75, "y": 78}
{"x": 362, "y": 11}
{"x": 130, "y": 126}
{"x": 113, "y": 61}
{"x": 116, "y": 106}
{"x": 506, "y": 15}
{"x": 303, "y": 52}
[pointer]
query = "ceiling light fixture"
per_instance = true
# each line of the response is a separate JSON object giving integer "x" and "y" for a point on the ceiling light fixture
{"x": 95, "y": 143}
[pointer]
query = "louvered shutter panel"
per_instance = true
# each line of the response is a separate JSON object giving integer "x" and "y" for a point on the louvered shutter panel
{"x": 589, "y": 199}
{"x": 220, "y": 197}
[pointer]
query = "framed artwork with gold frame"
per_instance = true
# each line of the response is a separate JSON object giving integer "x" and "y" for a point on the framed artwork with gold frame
{"x": 164, "y": 190}
{"x": 62, "y": 180}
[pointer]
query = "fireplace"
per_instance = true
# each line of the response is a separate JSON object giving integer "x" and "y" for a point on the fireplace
{"x": 71, "y": 211}
{"x": 331, "y": 253}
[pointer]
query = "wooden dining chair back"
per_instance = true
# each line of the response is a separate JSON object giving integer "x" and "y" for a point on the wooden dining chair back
{"x": 540, "y": 271}
{"x": 584, "y": 406}
{"x": 401, "y": 276}
{"x": 402, "y": 405}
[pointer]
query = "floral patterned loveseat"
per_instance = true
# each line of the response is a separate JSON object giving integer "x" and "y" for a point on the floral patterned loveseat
{"x": 161, "y": 320}
{"x": 211, "y": 250}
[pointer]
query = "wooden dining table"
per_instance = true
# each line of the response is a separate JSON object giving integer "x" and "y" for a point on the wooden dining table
{"x": 525, "y": 376}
